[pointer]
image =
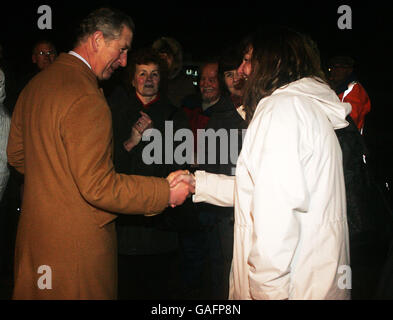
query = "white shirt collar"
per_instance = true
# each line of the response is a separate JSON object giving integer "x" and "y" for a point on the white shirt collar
{"x": 73, "y": 53}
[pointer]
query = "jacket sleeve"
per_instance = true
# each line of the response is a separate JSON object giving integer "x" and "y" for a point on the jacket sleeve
{"x": 15, "y": 146}
{"x": 280, "y": 196}
{"x": 360, "y": 102}
{"x": 217, "y": 189}
{"x": 2, "y": 87}
{"x": 87, "y": 135}
{"x": 4, "y": 132}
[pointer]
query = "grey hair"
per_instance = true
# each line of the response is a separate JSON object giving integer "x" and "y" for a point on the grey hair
{"x": 109, "y": 21}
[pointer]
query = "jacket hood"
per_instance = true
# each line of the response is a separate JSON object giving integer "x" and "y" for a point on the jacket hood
{"x": 328, "y": 100}
{"x": 176, "y": 50}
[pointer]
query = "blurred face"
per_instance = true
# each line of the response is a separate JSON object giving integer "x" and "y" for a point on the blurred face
{"x": 209, "y": 84}
{"x": 168, "y": 58}
{"x": 112, "y": 54}
{"x": 338, "y": 74}
{"x": 234, "y": 82}
{"x": 43, "y": 56}
{"x": 146, "y": 81}
{"x": 245, "y": 68}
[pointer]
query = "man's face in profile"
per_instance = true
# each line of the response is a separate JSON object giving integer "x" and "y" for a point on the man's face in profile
{"x": 113, "y": 55}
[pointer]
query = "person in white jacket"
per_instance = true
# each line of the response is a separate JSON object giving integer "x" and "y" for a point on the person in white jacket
{"x": 5, "y": 121}
{"x": 291, "y": 232}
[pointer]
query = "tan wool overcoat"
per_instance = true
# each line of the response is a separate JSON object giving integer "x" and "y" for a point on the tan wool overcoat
{"x": 61, "y": 140}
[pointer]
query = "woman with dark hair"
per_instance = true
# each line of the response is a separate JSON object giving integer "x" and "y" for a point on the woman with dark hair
{"x": 227, "y": 70}
{"x": 144, "y": 242}
{"x": 291, "y": 232}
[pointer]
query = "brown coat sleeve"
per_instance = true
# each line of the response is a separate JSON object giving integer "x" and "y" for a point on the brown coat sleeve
{"x": 87, "y": 135}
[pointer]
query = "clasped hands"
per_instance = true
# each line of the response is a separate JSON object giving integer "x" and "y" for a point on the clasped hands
{"x": 182, "y": 185}
{"x": 181, "y": 182}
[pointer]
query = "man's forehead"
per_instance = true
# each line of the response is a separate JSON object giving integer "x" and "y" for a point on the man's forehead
{"x": 42, "y": 46}
{"x": 126, "y": 36}
{"x": 210, "y": 68}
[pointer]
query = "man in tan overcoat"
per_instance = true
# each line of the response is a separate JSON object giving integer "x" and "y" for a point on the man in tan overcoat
{"x": 61, "y": 140}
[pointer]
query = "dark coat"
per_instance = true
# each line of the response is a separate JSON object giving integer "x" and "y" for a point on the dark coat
{"x": 137, "y": 234}
{"x": 368, "y": 212}
{"x": 222, "y": 115}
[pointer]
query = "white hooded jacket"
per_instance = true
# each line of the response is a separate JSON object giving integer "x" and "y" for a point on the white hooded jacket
{"x": 291, "y": 233}
{"x": 5, "y": 122}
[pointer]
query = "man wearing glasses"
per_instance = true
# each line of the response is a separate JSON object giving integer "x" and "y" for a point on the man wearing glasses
{"x": 44, "y": 53}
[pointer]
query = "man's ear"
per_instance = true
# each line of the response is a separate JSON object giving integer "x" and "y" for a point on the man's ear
{"x": 97, "y": 40}
{"x": 33, "y": 58}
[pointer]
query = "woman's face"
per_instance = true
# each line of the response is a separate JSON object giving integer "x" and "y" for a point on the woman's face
{"x": 234, "y": 82}
{"x": 146, "y": 80}
{"x": 245, "y": 68}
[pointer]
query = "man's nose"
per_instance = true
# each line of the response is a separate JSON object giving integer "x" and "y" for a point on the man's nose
{"x": 123, "y": 60}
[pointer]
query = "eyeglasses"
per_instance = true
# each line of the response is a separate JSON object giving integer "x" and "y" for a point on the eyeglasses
{"x": 47, "y": 53}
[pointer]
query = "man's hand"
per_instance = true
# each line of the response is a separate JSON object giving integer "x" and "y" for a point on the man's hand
{"x": 181, "y": 179}
{"x": 174, "y": 174}
{"x": 185, "y": 177}
{"x": 143, "y": 123}
{"x": 178, "y": 194}
{"x": 180, "y": 190}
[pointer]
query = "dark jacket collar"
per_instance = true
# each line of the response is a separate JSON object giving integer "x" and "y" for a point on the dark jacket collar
{"x": 344, "y": 86}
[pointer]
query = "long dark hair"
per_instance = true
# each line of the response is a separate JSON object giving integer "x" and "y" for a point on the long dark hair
{"x": 279, "y": 57}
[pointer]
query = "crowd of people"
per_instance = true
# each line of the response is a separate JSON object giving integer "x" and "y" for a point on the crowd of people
{"x": 275, "y": 201}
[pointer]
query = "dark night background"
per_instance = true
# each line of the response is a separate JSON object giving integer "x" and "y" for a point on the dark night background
{"x": 205, "y": 27}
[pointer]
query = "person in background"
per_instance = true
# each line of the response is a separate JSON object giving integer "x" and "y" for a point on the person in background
{"x": 4, "y": 171}
{"x": 9, "y": 191}
{"x": 234, "y": 83}
{"x": 4, "y": 131}
{"x": 210, "y": 248}
{"x": 345, "y": 83}
{"x": 175, "y": 84}
{"x": 43, "y": 54}
{"x": 4, "y": 176}
{"x": 144, "y": 242}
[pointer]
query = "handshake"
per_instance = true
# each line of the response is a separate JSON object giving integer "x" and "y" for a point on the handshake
{"x": 182, "y": 185}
